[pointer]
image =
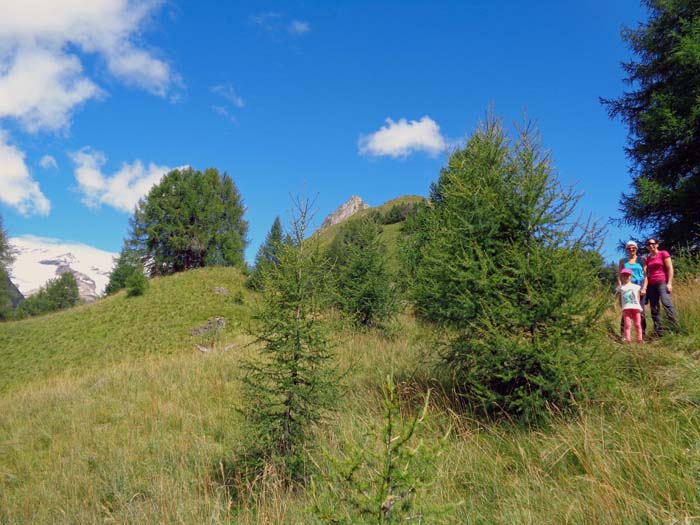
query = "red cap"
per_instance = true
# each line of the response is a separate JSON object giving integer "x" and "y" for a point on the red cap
{"x": 625, "y": 271}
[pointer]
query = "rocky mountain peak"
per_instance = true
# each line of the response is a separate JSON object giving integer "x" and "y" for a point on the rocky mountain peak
{"x": 344, "y": 211}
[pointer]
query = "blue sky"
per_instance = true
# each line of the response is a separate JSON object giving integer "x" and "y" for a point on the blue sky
{"x": 329, "y": 99}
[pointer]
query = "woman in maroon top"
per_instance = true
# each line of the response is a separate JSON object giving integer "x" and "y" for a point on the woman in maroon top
{"x": 658, "y": 284}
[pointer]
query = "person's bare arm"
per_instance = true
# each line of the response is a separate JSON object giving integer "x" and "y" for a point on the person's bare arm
{"x": 669, "y": 273}
{"x": 643, "y": 291}
{"x": 620, "y": 266}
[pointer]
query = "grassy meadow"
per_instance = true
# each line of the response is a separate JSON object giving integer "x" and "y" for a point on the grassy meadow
{"x": 109, "y": 414}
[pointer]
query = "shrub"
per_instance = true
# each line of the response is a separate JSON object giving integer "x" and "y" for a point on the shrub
{"x": 136, "y": 284}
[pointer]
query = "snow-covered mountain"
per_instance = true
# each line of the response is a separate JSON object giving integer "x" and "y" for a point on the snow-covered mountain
{"x": 39, "y": 259}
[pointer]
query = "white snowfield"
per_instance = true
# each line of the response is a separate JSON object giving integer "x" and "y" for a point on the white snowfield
{"x": 38, "y": 258}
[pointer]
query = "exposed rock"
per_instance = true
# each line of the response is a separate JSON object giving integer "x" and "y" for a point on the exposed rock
{"x": 345, "y": 211}
{"x": 213, "y": 326}
{"x": 220, "y": 290}
{"x": 15, "y": 295}
{"x": 86, "y": 286}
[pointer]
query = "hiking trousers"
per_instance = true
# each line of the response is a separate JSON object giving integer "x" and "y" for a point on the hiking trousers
{"x": 657, "y": 295}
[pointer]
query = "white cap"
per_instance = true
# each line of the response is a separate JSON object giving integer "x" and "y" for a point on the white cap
{"x": 631, "y": 243}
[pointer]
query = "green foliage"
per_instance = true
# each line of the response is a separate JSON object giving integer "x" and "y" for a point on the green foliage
{"x": 136, "y": 284}
{"x": 397, "y": 213}
{"x": 366, "y": 486}
{"x": 363, "y": 284}
{"x": 56, "y": 294}
{"x": 608, "y": 275}
{"x": 287, "y": 390}
{"x": 5, "y": 297}
{"x": 268, "y": 254}
{"x": 686, "y": 263}
{"x": 189, "y": 220}
{"x": 662, "y": 112}
{"x": 126, "y": 265}
{"x": 499, "y": 259}
{"x": 6, "y": 258}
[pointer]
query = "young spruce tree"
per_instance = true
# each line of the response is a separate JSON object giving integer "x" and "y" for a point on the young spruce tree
{"x": 125, "y": 266}
{"x": 288, "y": 389}
{"x": 363, "y": 284}
{"x": 268, "y": 255}
{"x": 503, "y": 261}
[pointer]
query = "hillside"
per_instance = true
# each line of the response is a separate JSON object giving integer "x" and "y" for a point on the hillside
{"x": 389, "y": 232}
{"x": 108, "y": 414}
{"x": 118, "y": 328}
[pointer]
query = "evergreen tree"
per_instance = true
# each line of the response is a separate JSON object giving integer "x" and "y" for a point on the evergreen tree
{"x": 6, "y": 259}
{"x": 502, "y": 261}
{"x": 268, "y": 254}
{"x": 189, "y": 220}
{"x": 287, "y": 390}
{"x": 126, "y": 265}
{"x": 662, "y": 112}
{"x": 363, "y": 284}
{"x": 380, "y": 485}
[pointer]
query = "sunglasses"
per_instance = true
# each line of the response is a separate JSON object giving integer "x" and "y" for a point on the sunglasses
{"x": 652, "y": 244}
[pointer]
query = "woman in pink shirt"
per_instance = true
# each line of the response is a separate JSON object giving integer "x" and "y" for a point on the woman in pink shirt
{"x": 658, "y": 284}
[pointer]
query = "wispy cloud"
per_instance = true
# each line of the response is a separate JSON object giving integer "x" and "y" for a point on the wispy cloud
{"x": 231, "y": 98}
{"x": 47, "y": 161}
{"x": 228, "y": 92}
{"x": 298, "y": 27}
{"x": 279, "y": 24}
{"x": 19, "y": 189}
{"x": 400, "y": 139}
{"x": 42, "y": 75}
{"x": 123, "y": 189}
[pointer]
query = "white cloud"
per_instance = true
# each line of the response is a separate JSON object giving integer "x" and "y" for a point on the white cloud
{"x": 47, "y": 161}
{"x": 18, "y": 189}
{"x": 42, "y": 76}
{"x": 41, "y": 87}
{"x": 121, "y": 190}
{"x": 42, "y": 79}
{"x": 400, "y": 139}
{"x": 299, "y": 27}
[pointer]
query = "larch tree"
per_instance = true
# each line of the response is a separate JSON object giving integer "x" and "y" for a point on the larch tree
{"x": 504, "y": 264}
{"x": 288, "y": 389}
{"x": 188, "y": 220}
{"x": 662, "y": 113}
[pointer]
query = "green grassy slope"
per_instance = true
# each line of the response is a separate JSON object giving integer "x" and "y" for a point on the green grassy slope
{"x": 390, "y": 232}
{"x": 118, "y": 328}
{"x": 134, "y": 426}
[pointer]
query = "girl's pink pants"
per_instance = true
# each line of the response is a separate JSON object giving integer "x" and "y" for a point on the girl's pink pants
{"x": 632, "y": 317}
